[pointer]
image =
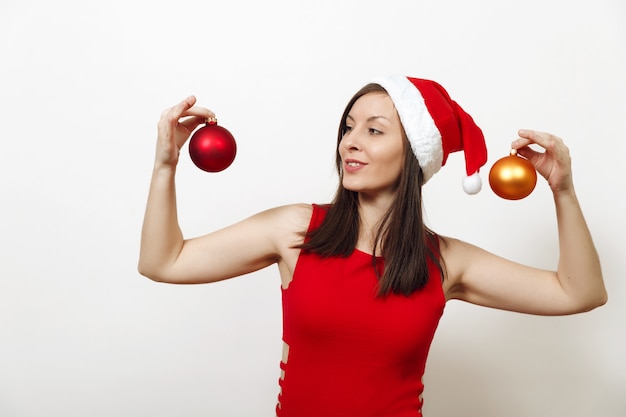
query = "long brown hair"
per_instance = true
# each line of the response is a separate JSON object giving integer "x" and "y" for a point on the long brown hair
{"x": 406, "y": 242}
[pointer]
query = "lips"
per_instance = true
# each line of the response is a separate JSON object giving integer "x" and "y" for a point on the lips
{"x": 352, "y": 165}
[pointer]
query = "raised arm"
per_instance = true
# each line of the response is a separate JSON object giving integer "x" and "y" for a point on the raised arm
{"x": 244, "y": 247}
{"x": 480, "y": 277}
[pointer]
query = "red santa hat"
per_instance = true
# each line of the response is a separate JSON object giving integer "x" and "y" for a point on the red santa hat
{"x": 436, "y": 126}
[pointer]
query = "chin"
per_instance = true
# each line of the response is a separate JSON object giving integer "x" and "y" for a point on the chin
{"x": 351, "y": 186}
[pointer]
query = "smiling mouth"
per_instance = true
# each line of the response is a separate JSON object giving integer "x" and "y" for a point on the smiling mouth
{"x": 353, "y": 166}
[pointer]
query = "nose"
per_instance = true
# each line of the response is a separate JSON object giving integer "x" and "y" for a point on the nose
{"x": 350, "y": 141}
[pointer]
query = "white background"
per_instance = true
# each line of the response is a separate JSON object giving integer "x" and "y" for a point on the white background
{"x": 82, "y": 85}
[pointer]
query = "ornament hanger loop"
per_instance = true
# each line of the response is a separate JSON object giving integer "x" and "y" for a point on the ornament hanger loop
{"x": 513, "y": 151}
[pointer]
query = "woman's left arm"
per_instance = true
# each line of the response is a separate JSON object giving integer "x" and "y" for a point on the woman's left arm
{"x": 577, "y": 285}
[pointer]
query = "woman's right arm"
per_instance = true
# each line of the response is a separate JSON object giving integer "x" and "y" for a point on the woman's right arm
{"x": 165, "y": 256}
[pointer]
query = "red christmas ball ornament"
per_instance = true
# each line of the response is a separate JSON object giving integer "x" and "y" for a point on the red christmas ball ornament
{"x": 512, "y": 177}
{"x": 212, "y": 148}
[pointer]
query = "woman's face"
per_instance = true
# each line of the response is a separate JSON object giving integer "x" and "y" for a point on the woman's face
{"x": 372, "y": 147}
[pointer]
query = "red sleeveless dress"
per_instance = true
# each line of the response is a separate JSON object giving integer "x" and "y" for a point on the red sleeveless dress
{"x": 351, "y": 353}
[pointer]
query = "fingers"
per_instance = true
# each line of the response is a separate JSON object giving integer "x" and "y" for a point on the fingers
{"x": 528, "y": 137}
{"x": 186, "y": 108}
{"x": 174, "y": 113}
{"x": 554, "y": 163}
{"x": 551, "y": 143}
{"x": 192, "y": 122}
{"x": 176, "y": 125}
{"x": 183, "y": 107}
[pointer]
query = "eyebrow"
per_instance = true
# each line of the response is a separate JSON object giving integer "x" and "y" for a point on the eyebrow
{"x": 371, "y": 118}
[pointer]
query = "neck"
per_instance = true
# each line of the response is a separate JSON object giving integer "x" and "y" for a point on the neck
{"x": 371, "y": 213}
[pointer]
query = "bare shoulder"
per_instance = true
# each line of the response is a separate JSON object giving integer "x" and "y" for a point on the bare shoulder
{"x": 449, "y": 246}
{"x": 291, "y": 216}
{"x": 289, "y": 222}
{"x": 452, "y": 247}
{"x": 277, "y": 227}
{"x": 457, "y": 255}
{"x": 296, "y": 212}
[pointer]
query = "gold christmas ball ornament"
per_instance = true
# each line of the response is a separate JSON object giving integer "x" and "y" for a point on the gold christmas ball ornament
{"x": 512, "y": 177}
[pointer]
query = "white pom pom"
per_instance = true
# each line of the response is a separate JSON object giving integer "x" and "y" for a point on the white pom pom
{"x": 472, "y": 184}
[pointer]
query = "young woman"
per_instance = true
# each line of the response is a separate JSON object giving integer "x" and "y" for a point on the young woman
{"x": 364, "y": 280}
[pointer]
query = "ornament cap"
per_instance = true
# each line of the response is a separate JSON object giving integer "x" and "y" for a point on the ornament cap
{"x": 211, "y": 121}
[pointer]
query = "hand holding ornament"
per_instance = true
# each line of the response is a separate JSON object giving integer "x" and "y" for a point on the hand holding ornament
{"x": 175, "y": 127}
{"x": 554, "y": 164}
{"x": 513, "y": 177}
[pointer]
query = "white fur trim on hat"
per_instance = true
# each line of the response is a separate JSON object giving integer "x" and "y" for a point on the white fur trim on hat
{"x": 419, "y": 126}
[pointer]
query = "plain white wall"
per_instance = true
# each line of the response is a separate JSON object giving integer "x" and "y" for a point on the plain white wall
{"x": 82, "y": 85}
